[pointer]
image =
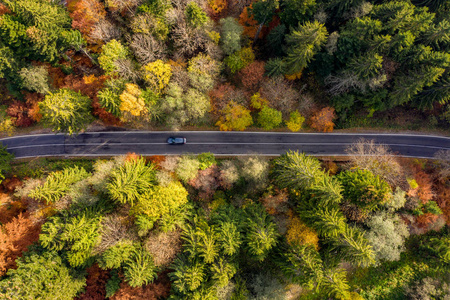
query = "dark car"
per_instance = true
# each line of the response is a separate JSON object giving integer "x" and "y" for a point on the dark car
{"x": 176, "y": 141}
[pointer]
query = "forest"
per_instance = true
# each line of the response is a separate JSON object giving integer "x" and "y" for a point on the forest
{"x": 375, "y": 226}
{"x": 291, "y": 65}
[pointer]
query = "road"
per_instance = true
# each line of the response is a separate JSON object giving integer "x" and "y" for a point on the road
{"x": 219, "y": 143}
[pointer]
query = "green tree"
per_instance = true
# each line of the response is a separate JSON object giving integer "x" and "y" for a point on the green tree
{"x": 66, "y": 110}
{"x": 269, "y": 118}
{"x": 41, "y": 276}
{"x": 38, "y": 30}
{"x": 222, "y": 271}
{"x": 261, "y": 232}
{"x": 140, "y": 268}
{"x": 5, "y": 161}
{"x": 229, "y": 237}
{"x": 296, "y": 11}
{"x": 231, "y": 35}
{"x": 387, "y": 236}
{"x": 195, "y": 16}
{"x": 111, "y": 52}
{"x": 187, "y": 276}
{"x": 366, "y": 66}
{"x": 262, "y": 12}
{"x": 295, "y": 170}
{"x": 57, "y": 184}
{"x": 130, "y": 181}
{"x": 303, "y": 44}
{"x": 77, "y": 236}
{"x": 116, "y": 256}
{"x": 35, "y": 78}
{"x": 364, "y": 188}
{"x": 109, "y": 97}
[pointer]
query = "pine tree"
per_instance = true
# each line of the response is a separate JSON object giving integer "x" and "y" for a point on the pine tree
{"x": 77, "y": 236}
{"x": 140, "y": 268}
{"x": 116, "y": 256}
{"x": 304, "y": 43}
{"x": 187, "y": 276}
{"x": 228, "y": 237}
{"x": 57, "y": 184}
{"x": 261, "y": 233}
{"x": 222, "y": 271}
{"x": 41, "y": 276}
{"x": 295, "y": 170}
{"x": 130, "y": 181}
{"x": 439, "y": 92}
{"x": 66, "y": 111}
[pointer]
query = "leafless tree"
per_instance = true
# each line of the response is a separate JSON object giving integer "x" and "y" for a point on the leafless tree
{"x": 146, "y": 48}
{"x": 112, "y": 231}
{"x": 127, "y": 69}
{"x": 343, "y": 83}
{"x": 163, "y": 246}
{"x": 443, "y": 159}
{"x": 105, "y": 31}
{"x": 377, "y": 158}
{"x": 280, "y": 94}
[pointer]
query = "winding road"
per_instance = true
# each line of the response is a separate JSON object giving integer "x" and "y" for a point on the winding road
{"x": 220, "y": 143}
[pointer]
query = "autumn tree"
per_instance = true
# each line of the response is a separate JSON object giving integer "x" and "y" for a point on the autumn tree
{"x": 15, "y": 237}
{"x": 195, "y": 16}
{"x": 252, "y": 75}
{"x": 295, "y": 121}
{"x": 157, "y": 74}
{"x": 111, "y": 52}
{"x": 234, "y": 117}
{"x": 323, "y": 120}
{"x": 66, "y": 110}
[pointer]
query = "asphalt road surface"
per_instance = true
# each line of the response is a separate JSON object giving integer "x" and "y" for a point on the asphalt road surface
{"x": 219, "y": 143}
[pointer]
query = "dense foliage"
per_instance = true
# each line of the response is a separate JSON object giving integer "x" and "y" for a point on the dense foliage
{"x": 291, "y": 64}
{"x": 198, "y": 227}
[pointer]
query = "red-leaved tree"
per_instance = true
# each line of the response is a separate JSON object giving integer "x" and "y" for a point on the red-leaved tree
{"x": 323, "y": 119}
{"x": 252, "y": 75}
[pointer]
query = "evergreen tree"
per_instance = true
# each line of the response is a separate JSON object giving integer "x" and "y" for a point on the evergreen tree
{"x": 140, "y": 268}
{"x": 261, "y": 233}
{"x": 57, "y": 184}
{"x": 5, "y": 162}
{"x": 116, "y": 256}
{"x": 77, "y": 236}
{"x": 66, "y": 110}
{"x": 222, "y": 271}
{"x": 303, "y": 44}
{"x": 187, "y": 276}
{"x": 130, "y": 181}
{"x": 41, "y": 276}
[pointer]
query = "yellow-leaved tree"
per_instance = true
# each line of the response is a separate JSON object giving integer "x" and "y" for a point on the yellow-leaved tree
{"x": 132, "y": 105}
{"x": 157, "y": 74}
{"x": 299, "y": 234}
{"x": 160, "y": 200}
{"x": 234, "y": 117}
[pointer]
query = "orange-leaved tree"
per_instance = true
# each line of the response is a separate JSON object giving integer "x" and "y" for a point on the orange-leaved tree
{"x": 15, "y": 237}
{"x": 323, "y": 119}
